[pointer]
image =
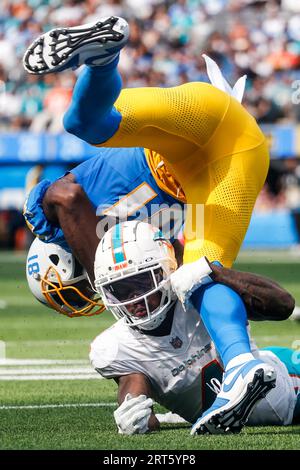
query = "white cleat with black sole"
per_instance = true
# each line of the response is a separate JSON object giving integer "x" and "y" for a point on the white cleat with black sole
{"x": 243, "y": 387}
{"x": 91, "y": 44}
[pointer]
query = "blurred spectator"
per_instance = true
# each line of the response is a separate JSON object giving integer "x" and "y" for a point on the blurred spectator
{"x": 255, "y": 37}
{"x": 12, "y": 231}
{"x": 54, "y": 104}
{"x": 282, "y": 188}
{"x": 260, "y": 38}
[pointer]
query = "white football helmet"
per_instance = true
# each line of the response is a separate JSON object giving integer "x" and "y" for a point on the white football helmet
{"x": 133, "y": 265}
{"x": 57, "y": 280}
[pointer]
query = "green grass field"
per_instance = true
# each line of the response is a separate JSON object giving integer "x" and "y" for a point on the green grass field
{"x": 72, "y": 408}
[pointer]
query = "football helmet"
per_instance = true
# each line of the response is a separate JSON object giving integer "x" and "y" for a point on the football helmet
{"x": 58, "y": 280}
{"x": 133, "y": 265}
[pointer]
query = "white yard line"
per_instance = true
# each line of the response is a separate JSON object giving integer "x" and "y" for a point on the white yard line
{"x": 269, "y": 256}
{"x": 274, "y": 338}
{"x": 42, "y": 362}
{"x": 264, "y": 254}
{"x": 64, "y": 405}
{"x": 48, "y": 342}
{"x": 11, "y": 257}
{"x": 18, "y": 377}
{"x": 46, "y": 369}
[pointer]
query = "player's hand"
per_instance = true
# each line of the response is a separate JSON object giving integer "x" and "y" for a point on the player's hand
{"x": 36, "y": 219}
{"x": 186, "y": 279}
{"x": 133, "y": 414}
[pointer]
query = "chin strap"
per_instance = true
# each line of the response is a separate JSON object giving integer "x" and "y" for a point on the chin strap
{"x": 217, "y": 79}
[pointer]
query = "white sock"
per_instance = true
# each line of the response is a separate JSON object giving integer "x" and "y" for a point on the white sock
{"x": 240, "y": 359}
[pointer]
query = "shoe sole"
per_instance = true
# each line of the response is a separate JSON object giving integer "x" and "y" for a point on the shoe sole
{"x": 232, "y": 420}
{"x": 67, "y": 41}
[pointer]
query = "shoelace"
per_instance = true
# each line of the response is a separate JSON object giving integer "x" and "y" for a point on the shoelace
{"x": 214, "y": 385}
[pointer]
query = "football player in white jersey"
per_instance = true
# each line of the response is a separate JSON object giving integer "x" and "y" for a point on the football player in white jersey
{"x": 156, "y": 351}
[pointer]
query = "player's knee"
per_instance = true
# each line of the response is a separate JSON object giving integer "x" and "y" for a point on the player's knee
{"x": 82, "y": 127}
{"x": 73, "y": 124}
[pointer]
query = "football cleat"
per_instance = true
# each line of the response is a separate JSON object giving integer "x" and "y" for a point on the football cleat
{"x": 242, "y": 388}
{"x": 91, "y": 44}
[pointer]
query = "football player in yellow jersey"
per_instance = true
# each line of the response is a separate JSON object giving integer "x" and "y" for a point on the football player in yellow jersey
{"x": 201, "y": 146}
{"x": 197, "y": 138}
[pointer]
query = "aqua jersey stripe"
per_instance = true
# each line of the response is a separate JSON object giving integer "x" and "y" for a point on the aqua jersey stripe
{"x": 290, "y": 358}
{"x": 118, "y": 249}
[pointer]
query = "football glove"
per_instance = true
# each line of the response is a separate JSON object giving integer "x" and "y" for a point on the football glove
{"x": 133, "y": 414}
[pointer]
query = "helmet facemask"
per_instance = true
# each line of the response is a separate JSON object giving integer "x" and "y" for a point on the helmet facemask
{"x": 141, "y": 295}
{"x": 59, "y": 281}
{"x": 74, "y": 300}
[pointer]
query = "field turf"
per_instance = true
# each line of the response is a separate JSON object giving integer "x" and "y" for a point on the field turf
{"x": 73, "y": 410}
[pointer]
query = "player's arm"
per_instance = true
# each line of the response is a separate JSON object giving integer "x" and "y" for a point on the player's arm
{"x": 264, "y": 298}
{"x": 135, "y": 412}
{"x": 66, "y": 204}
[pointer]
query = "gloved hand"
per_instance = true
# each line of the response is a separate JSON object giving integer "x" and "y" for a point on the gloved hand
{"x": 186, "y": 279}
{"x": 36, "y": 220}
{"x": 133, "y": 414}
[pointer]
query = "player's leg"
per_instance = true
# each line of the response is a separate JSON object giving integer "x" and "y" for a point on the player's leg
{"x": 228, "y": 189}
{"x": 174, "y": 122}
{"x": 224, "y": 190}
{"x": 156, "y": 118}
{"x": 91, "y": 115}
{"x": 104, "y": 115}
{"x": 282, "y": 405}
{"x": 214, "y": 149}
{"x": 219, "y": 160}
{"x": 246, "y": 380}
{"x": 221, "y": 200}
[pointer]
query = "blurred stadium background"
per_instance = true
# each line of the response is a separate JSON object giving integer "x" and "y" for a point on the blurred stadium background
{"x": 259, "y": 38}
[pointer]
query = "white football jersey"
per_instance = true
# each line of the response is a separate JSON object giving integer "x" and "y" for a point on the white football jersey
{"x": 182, "y": 367}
